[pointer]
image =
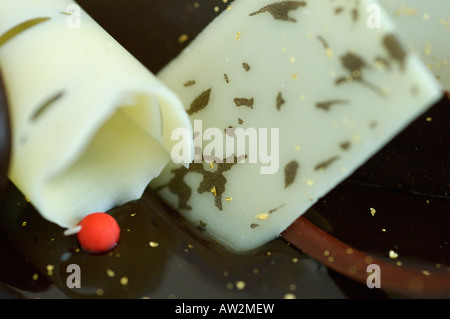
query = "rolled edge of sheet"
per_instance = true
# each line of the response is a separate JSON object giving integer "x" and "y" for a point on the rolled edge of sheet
{"x": 91, "y": 125}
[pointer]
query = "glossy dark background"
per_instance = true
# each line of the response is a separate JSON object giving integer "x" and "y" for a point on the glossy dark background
{"x": 5, "y": 136}
{"x": 407, "y": 183}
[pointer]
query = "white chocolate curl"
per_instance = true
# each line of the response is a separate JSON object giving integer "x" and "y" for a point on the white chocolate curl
{"x": 91, "y": 125}
{"x": 335, "y": 79}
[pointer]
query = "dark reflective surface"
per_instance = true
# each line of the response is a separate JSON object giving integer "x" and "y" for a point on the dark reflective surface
{"x": 182, "y": 265}
{"x": 406, "y": 182}
{"x": 5, "y": 136}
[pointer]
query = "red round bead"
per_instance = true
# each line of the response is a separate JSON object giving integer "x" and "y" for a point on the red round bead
{"x": 99, "y": 232}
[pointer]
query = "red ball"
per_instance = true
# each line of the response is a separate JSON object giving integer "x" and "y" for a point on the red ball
{"x": 99, "y": 233}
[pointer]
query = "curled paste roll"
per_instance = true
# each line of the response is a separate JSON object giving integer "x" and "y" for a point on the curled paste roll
{"x": 91, "y": 125}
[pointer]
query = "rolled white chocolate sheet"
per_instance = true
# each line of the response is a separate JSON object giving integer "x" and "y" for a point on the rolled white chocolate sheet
{"x": 318, "y": 86}
{"x": 91, "y": 125}
{"x": 425, "y": 27}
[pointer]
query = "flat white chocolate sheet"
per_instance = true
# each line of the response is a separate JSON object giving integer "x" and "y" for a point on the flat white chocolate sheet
{"x": 425, "y": 26}
{"x": 335, "y": 84}
{"x": 91, "y": 126}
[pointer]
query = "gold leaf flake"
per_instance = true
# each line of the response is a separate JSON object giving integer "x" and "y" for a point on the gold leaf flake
{"x": 240, "y": 285}
{"x": 183, "y": 38}
{"x": 50, "y": 269}
{"x": 392, "y": 254}
{"x": 110, "y": 273}
{"x": 153, "y": 244}
{"x": 124, "y": 281}
{"x": 263, "y": 216}
{"x": 214, "y": 191}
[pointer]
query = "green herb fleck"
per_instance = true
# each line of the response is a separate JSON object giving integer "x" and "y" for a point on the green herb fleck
{"x": 290, "y": 172}
{"x": 244, "y": 102}
{"x": 41, "y": 109}
{"x": 200, "y": 102}
{"x": 280, "y": 10}
{"x": 13, "y": 32}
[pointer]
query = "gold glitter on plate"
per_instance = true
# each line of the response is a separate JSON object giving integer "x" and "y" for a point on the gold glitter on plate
{"x": 392, "y": 254}
{"x": 153, "y": 244}
{"x": 110, "y": 273}
{"x": 183, "y": 38}
{"x": 240, "y": 285}
{"x": 124, "y": 281}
